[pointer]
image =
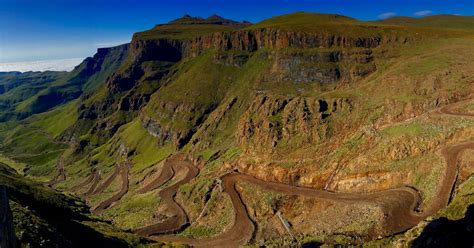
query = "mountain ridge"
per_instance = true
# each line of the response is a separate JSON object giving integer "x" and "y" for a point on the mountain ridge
{"x": 320, "y": 101}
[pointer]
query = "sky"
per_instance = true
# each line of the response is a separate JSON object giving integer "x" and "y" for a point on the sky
{"x": 38, "y": 30}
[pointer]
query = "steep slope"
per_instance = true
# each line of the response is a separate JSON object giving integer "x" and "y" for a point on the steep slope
{"x": 84, "y": 79}
{"x": 16, "y": 88}
{"x": 44, "y": 217}
{"x": 300, "y": 100}
{"x": 34, "y": 140}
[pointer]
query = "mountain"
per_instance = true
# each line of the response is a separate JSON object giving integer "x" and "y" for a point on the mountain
{"x": 211, "y": 20}
{"x": 301, "y": 129}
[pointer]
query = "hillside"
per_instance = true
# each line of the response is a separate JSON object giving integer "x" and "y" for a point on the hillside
{"x": 300, "y": 129}
{"x": 434, "y": 21}
{"x": 44, "y": 217}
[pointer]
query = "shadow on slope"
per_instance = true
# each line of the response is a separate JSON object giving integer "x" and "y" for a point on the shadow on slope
{"x": 45, "y": 217}
{"x": 443, "y": 232}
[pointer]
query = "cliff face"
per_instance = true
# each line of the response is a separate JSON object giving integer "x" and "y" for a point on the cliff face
{"x": 287, "y": 122}
{"x": 252, "y": 40}
{"x": 292, "y": 57}
{"x": 158, "y": 77}
{"x": 320, "y": 66}
{"x": 83, "y": 80}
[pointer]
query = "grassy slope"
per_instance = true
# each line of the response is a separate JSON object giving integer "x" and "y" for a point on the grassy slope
{"x": 435, "y": 21}
{"x": 191, "y": 87}
{"x": 423, "y": 78}
{"x": 180, "y": 32}
{"x": 47, "y": 217}
{"x": 327, "y": 24}
{"x": 84, "y": 79}
{"x": 16, "y": 89}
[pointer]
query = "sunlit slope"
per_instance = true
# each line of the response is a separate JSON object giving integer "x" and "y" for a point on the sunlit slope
{"x": 323, "y": 101}
{"x": 434, "y": 21}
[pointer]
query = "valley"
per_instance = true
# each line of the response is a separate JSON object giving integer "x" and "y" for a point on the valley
{"x": 302, "y": 129}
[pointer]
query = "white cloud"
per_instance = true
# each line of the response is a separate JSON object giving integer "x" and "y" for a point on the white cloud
{"x": 387, "y": 15}
{"x": 423, "y": 12}
{"x": 42, "y": 65}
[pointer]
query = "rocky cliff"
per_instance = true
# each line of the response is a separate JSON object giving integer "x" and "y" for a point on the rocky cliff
{"x": 313, "y": 100}
{"x": 272, "y": 121}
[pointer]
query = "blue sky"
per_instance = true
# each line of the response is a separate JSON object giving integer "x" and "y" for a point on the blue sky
{"x": 59, "y": 29}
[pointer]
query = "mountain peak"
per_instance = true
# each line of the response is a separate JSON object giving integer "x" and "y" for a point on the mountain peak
{"x": 213, "y": 19}
{"x": 215, "y": 16}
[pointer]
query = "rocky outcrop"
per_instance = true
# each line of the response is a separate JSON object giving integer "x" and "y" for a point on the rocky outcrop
{"x": 272, "y": 121}
{"x": 156, "y": 49}
{"x": 163, "y": 52}
{"x": 154, "y": 129}
{"x": 182, "y": 121}
{"x": 204, "y": 136}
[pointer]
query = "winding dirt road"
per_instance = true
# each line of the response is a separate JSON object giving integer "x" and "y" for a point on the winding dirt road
{"x": 123, "y": 170}
{"x": 166, "y": 174}
{"x": 451, "y": 109}
{"x": 400, "y": 205}
{"x": 108, "y": 181}
{"x": 179, "y": 218}
{"x": 61, "y": 173}
{"x": 400, "y": 202}
{"x": 84, "y": 183}
{"x": 95, "y": 181}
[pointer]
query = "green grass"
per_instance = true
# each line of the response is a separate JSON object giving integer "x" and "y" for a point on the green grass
{"x": 206, "y": 97}
{"x": 412, "y": 129}
{"x": 330, "y": 24}
{"x": 57, "y": 120}
{"x": 20, "y": 88}
{"x": 134, "y": 210}
{"x": 216, "y": 218}
{"x": 38, "y": 191}
{"x": 180, "y": 32}
{"x": 110, "y": 191}
{"x": 31, "y": 146}
{"x": 302, "y": 20}
{"x": 463, "y": 199}
{"x": 434, "y": 21}
{"x": 469, "y": 106}
{"x": 198, "y": 232}
{"x": 427, "y": 182}
{"x": 18, "y": 166}
{"x": 265, "y": 202}
{"x": 147, "y": 150}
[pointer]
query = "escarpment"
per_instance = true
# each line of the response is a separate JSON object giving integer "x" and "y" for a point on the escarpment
{"x": 292, "y": 57}
{"x": 272, "y": 114}
{"x": 252, "y": 40}
{"x": 178, "y": 83}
